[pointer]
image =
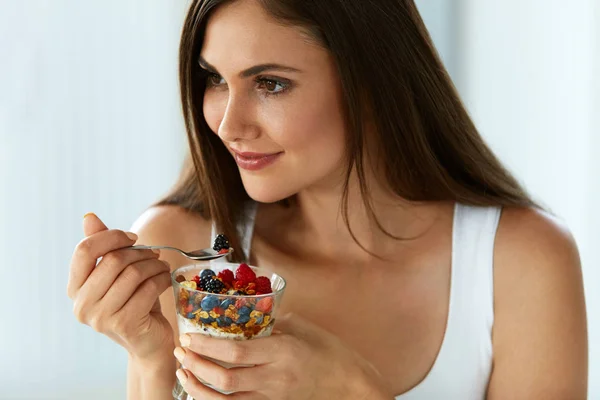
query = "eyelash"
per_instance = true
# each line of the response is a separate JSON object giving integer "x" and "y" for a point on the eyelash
{"x": 260, "y": 80}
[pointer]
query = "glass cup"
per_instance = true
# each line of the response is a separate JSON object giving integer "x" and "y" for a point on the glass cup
{"x": 226, "y": 316}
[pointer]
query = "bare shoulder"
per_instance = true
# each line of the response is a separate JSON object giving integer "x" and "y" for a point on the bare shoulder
{"x": 172, "y": 226}
{"x": 171, "y": 223}
{"x": 540, "y": 333}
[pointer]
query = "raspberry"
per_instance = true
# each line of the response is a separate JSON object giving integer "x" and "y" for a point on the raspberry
{"x": 237, "y": 285}
{"x": 239, "y": 303}
{"x": 263, "y": 285}
{"x": 227, "y": 276}
{"x": 244, "y": 275}
{"x": 264, "y": 305}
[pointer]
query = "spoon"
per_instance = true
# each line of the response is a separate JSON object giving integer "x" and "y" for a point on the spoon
{"x": 202, "y": 254}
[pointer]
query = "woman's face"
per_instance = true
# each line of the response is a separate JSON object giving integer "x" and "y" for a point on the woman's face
{"x": 274, "y": 99}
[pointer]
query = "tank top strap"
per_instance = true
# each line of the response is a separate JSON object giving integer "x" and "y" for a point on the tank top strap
{"x": 464, "y": 362}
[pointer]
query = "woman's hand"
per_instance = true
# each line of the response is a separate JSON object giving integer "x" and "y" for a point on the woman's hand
{"x": 299, "y": 361}
{"x": 119, "y": 296}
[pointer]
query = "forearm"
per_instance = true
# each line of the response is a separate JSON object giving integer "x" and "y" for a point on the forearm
{"x": 151, "y": 379}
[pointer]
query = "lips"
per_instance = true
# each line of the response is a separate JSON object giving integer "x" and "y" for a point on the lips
{"x": 255, "y": 161}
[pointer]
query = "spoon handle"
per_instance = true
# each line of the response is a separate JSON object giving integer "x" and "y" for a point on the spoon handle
{"x": 143, "y": 247}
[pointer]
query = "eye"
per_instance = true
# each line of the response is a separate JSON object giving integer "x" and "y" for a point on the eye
{"x": 272, "y": 86}
{"x": 214, "y": 80}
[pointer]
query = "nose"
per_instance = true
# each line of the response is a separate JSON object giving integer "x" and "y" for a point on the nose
{"x": 238, "y": 122}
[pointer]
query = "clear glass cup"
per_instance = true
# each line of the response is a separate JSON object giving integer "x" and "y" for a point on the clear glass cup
{"x": 226, "y": 316}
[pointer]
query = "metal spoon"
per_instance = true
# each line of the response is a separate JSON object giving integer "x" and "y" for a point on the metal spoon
{"x": 202, "y": 254}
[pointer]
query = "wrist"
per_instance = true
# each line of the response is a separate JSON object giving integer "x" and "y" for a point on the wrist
{"x": 151, "y": 377}
{"x": 158, "y": 367}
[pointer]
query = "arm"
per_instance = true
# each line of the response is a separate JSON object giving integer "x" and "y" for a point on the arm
{"x": 540, "y": 333}
{"x": 172, "y": 226}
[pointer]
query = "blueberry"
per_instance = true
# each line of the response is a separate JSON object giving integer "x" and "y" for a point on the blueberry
{"x": 243, "y": 319}
{"x": 190, "y": 315}
{"x": 208, "y": 320}
{"x": 224, "y": 321}
{"x": 209, "y": 302}
{"x": 207, "y": 272}
{"x": 226, "y": 303}
{"x": 244, "y": 311}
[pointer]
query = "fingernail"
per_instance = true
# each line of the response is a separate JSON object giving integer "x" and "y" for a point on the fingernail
{"x": 88, "y": 214}
{"x": 132, "y": 236}
{"x": 179, "y": 354}
{"x": 185, "y": 340}
{"x": 182, "y": 376}
{"x": 167, "y": 264}
{"x": 156, "y": 251}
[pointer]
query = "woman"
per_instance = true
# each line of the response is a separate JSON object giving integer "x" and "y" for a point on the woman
{"x": 326, "y": 137}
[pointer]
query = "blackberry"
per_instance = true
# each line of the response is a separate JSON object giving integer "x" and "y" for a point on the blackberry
{"x": 204, "y": 281}
{"x": 221, "y": 242}
{"x": 214, "y": 286}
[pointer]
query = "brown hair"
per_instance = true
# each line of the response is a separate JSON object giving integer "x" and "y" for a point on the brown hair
{"x": 391, "y": 77}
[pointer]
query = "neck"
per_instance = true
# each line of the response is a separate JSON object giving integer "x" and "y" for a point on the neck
{"x": 318, "y": 219}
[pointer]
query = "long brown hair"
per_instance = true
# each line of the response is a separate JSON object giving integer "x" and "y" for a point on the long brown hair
{"x": 392, "y": 78}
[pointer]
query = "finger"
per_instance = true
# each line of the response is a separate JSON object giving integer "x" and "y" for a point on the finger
{"x": 146, "y": 295}
{"x": 240, "y": 352}
{"x": 198, "y": 390}
{"x": 128, "y": 282}
{"x": 92, "y": 224}
{"x": 108, "y": 271}
{"x": 89, "y": 250}
{"x": 241, "y": 379}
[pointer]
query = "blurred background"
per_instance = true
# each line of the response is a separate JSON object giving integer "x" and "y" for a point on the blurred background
{"x": 90, "y": 121}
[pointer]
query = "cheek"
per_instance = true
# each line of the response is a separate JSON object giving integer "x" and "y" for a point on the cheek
{"x": 314, "y": 130}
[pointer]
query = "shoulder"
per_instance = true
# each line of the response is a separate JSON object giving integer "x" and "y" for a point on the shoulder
{"x": 539, "y": 334}
{"x": 172, "y": 226}
{"x": 532, "y": 244}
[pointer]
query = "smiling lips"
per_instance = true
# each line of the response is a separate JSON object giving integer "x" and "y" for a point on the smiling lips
{"x": 255, "y": 161}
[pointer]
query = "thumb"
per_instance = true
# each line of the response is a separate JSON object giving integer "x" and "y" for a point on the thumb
{"x": 92, "y": 224}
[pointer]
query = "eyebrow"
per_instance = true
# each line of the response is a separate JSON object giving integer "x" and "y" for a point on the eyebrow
{"x": 255, "y": 70}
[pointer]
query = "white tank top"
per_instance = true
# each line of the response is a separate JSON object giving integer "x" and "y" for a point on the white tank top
{"x": 464, "y": 363}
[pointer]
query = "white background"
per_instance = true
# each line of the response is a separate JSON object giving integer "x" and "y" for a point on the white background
{"x": 90, "y": 121}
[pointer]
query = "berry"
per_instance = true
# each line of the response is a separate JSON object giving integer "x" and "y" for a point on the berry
{"x": 189, "y": 316}
{"x": 243, "y": 319}
{"x": 204, "y": 281}
{"x": 214, "y": 286}
{"x": 221, "y": 242}
{"x": 189, "y": 308}
{"x": 239, "y": 303}
{"x": 264, "y": 305}
{"x": 219, "y": 310}
{"x": 207, "y": 272}
{"x": 227, "y": 276}
{"x": 239, "y": 285}
{"x": 209, "y": 302}
{"x": 224, "y": 321}
{"x": 263, "y": 285}
{"x": 244, "y": 275}
{"x": 226, "y": 303}
{"x": 207, "y": 320}
{"x": 244, "y": 311}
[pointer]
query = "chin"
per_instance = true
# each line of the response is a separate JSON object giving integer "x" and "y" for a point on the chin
{"x": 264, "y": 191}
